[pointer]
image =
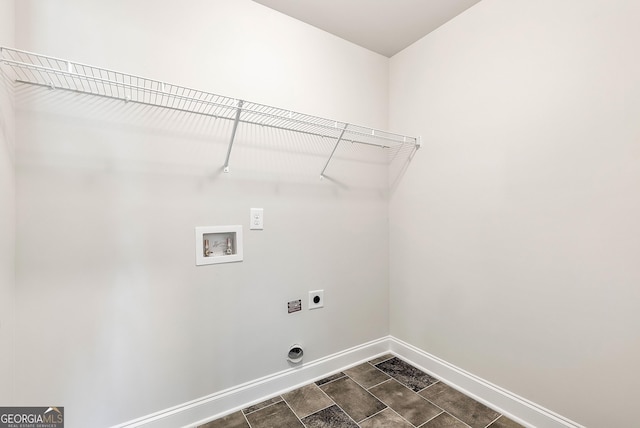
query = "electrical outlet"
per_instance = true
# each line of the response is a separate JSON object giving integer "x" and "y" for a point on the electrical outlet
{"x": 316, "y": 299}
{"x": 257, "y": 219}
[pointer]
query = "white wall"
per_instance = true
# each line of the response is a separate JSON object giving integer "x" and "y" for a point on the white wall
{"x": 514, "y": 234}
{"x": 7, "y": 214}
{"x": 112, "y": 311}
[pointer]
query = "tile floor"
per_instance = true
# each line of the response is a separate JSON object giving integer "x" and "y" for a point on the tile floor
{"x": 382, "y": 393}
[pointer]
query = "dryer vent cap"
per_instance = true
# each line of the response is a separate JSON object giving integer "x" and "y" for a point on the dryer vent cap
{"x": 295, "y": 354}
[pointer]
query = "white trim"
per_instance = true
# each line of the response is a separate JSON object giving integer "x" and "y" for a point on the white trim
{"x": 216, "y": 405}
{"x": 208, "y": 408}
{"x": 511, "y": 405}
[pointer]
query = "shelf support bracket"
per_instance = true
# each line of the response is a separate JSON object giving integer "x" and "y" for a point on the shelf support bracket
{"x": 233, "y": 134}
{"x": 333, "y": 151}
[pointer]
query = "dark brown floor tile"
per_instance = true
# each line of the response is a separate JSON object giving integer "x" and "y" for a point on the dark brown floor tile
{"x": 505, "y": 422}
{"x": 385, "y": 419}
{"x": 277, "y": 415}
{"x": 444, "y": 420}
{"x": 459, "y": 405}
{"x": 234, "y": 420}
{"x": 366, "y": 375}
{"x": 330, "y": 378}
{"x": 353, "y": 399}
{"x": 406, "y": 374}
{"x": 381, "y": 359}
{"x": 331, "y": 417}
{"x": 261, "y": 405}
{"x": 307, "y": 400}
{"x": 405, "y": 402}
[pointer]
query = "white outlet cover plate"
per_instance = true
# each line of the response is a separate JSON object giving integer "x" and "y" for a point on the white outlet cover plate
{"x": 312, "y": 294}
{"x": 257, "y": 219}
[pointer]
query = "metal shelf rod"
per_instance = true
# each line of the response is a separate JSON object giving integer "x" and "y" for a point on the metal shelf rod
{"x": 233, "y": 134}
{"x": 333, "y": 151}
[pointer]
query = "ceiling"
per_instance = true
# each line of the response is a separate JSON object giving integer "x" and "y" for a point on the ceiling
{"x": 383, "y": 26}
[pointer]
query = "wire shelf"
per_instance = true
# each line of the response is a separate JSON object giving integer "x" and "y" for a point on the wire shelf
{"x": 35, "y": 69}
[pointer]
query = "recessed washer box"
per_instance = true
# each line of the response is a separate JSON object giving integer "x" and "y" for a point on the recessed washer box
{"x": 218, "y": 244}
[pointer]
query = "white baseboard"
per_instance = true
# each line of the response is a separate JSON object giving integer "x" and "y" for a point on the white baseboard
{"x": 511, "y": 405}
{"x": 207, "y": 408}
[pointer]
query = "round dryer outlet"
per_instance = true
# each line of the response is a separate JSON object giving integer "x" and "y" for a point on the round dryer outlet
{"x": 316, "y": 299}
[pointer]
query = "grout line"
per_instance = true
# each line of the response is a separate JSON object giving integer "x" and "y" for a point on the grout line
{"x": 361, "y": 385}
{"x": 327, "y": 395}
{"x": 390, "y": 408}
{"x": 331, "y": 381}
{"x": 429, "y": 420}
{"x": 319, "y": 410}
{"x": 293, "y": 411}
{"x": 367, "y": 390}
{"x": 334, "y": 404}
{"x": 349, "y": 377}
{"x": 389, "y": 377}
{"x": 431, "y": 402}
{"x": 490, "y": 423}
{"x": 265, "y": 407}
{"x": 348, "y": 415}
{"x": 381, "y": 371}
{"x": 429, "y": 386}
{"x": 453, "y": 416}
{"x": 462, "y": 422}
{"x": 376, "y": 413}
{"x": 384, "y": 381}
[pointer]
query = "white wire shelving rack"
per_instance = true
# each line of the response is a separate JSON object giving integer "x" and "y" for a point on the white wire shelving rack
{"x": 60, "y": 74}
